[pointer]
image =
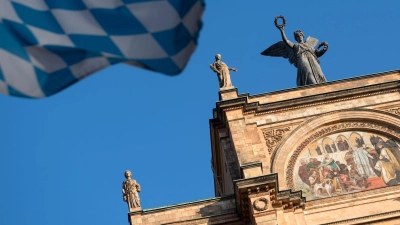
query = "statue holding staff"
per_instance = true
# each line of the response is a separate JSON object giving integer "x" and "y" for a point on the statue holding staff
{"x": 301, "y": 54}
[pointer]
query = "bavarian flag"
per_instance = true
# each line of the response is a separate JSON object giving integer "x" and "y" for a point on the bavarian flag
{"x": 47, "y": 45}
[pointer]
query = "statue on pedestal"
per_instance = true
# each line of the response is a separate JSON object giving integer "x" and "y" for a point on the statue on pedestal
{"x": 222, "y": 71}
{"x": 130, "y": 189}
{"x": 302, "y": 55}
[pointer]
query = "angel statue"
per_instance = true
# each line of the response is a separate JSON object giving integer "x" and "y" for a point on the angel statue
{"x": 222, "y": 71}
{"x": 302, "y": 55}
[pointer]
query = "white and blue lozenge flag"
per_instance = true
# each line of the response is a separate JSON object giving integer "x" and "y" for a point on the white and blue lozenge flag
{"x": 47, "y": 45}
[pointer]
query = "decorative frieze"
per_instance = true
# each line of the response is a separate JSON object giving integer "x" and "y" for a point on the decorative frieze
{"x": 394, "y": 110}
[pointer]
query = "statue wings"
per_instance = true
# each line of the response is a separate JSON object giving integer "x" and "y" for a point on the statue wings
{"x": 312, "y": 42}
{"x": 280, "y": 49}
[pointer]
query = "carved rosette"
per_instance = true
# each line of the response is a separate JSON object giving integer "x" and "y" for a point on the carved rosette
{"x": 273, "y": 137}
{"x": 260, "y": 204}
{"x": 329, "y": 130}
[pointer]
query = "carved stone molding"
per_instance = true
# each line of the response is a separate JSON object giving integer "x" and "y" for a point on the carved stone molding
{"x": 233, "y": 108}
{"x": 265, "y": 213}
{"x": 229, "y": 217}
{"x": 329, "y": 130}
{"x": 351, "y": 196}
{"x": 393, "y": 216}
{"x": 274, "y": 136}
{"x": 394, "y": 110}
{"x": 309, "y": 101}
{"x": 260, "y": 204}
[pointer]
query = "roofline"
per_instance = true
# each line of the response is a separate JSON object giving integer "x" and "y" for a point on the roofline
{"x": 181, "y": 205}
{"x": 319, "y": 85}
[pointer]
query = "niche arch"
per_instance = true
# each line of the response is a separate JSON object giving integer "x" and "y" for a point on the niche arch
{"x": 368, "y": 120}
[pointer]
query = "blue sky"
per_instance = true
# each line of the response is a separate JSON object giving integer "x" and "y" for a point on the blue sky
{"x": 62, "y": 158}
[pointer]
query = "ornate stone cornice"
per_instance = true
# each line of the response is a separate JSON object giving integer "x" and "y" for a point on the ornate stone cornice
{"x": 329, "y": 129}
{"x": 347, "y": 80}
{"x": 330, "y": 97}
{"x": 302, "y": 102}
{"x": 185, "y": 205}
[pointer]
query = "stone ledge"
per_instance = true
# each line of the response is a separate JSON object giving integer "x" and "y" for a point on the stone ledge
{"x": 371, "y": 218}
{"x": 186, "y": 204}
{"x": 356, "y": 87}
{"x": 307, "y": 101}
{"x": 373, "y": 75}
{"x": 215, "y": 219}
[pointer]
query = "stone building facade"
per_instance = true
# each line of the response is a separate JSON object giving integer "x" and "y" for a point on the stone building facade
{"x": 317, "y": 154}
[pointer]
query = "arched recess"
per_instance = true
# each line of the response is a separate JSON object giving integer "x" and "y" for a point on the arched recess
{"x": 345, "y": 120}
{"x": 328, "y": 145}
{"x": 356, "y": 139}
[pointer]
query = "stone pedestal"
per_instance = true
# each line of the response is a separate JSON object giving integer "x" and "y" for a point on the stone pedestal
{"x": 227, "y": 93}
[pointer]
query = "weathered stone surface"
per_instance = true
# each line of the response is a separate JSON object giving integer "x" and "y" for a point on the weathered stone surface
{"x": 274, "y": 128}
{"x": 257, "y": 140}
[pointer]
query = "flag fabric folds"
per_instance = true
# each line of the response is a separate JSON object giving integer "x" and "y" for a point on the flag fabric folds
{"x": 47, "y": 45}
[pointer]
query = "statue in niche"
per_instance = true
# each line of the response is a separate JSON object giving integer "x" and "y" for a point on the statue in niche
{"x": 130, "y": 189}
{"x": 222, "y": 71}
{"x": 301, "y": 54}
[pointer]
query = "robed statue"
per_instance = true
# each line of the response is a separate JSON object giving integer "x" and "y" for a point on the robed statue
{"x": 303, "y": 55}
{"x": 222, "y": 71}
{"x": 130, "y": 189}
